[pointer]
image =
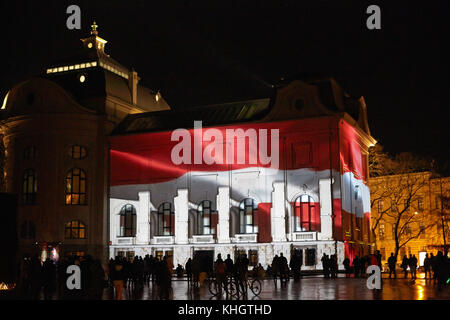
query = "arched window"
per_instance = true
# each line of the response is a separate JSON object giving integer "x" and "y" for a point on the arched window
{"x": 75, "y": 229}
{"x": 76, "y": 187}
{"x": 247, "y": 209}
{"x": 77, "y": 152}
{"x": 29, "y": 187}
{"x": 28, "y": 230}
{"x": 204, "y": 211}
{"x": 128, "y": 221}
{"x": 304, "y": 210}
{"x": 165, "y": 221}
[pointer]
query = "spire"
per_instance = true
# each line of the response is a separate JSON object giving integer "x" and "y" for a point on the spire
{"x": 94, "y": 41}
{"x": 94, "y": 27}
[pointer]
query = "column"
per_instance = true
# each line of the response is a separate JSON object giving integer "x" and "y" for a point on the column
{"x": 223, "y": 208}
{"x": 326, "y": 220}
{"x": 142, "y": 219}
{"x": 181, "y": 217}
{"x": 278, "y": 213}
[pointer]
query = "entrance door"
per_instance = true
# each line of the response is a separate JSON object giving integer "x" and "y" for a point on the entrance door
{"x": 206, "y": 258}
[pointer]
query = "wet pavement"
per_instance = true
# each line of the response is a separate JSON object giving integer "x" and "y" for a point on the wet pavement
{"x": 311, "y": 288}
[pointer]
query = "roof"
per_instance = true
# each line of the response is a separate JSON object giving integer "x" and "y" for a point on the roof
{"x": 211, "y": 115}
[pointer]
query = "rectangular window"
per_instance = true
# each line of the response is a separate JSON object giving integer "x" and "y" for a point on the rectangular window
{"x": 420, "y": 204}
{"x": 437, "y": 202}
{"x": 381, "y": 231}
{"x": 380, "y": 206}
{"x": 383, "y": 253}
{"x": 394, "y": 207}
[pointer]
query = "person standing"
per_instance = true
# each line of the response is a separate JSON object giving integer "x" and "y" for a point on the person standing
{"x": 188, "y": 268}
{"x": 392, "y": 262}
{"x": 356, "y": 266}
{"x": 413, "y": 266}
{"x": 325, "y": 266}
{"x": 118, "y": 276}
{"x": 275, "y": 270}
{"x": 405, "y": 263}
{"x": 296, "y": 264}
{"x": 346, "y": 264}
{"x": 427, "y": 266}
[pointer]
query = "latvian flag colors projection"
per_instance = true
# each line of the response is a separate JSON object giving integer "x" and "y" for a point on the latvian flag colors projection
{"x": 264, "y": 185}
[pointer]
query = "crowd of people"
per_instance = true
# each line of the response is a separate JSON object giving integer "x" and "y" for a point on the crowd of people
{"x": 134, "y": 273}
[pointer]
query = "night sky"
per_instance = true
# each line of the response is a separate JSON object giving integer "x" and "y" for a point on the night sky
{"x": 204, "y": 52}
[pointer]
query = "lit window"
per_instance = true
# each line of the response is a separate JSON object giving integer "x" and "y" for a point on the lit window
{"x": 66, "y": 68}
{"x": 420, "y": 203}
{"x": 204, "y": 212}
{"x": 382, "y": 231}
{"x": 165, "y": 219}
{"x": 29, "y": 187}
{"x": 49, "y": 70}
{"x": 83, "y": 65}
{"x": 380, "y": 206}
{"x": 77, "y": 152}
{"x": 60, "y": 69}
{"x": 94, "y": 63}
{"x": 247, "y": 209}
{"x": 75, "y": 230}
{"x": 305, "y": 213}
{"x": 128, "y": 221}
{"x": 71, "y": 67}
{"x": 77, "y": 66}
{"x": 253, "y": 258}
{"x": 76, "y": 187}
{"x": 88, "y": 65}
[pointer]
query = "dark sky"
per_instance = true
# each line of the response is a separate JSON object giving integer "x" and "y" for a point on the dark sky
{"x": 202, "y": 52}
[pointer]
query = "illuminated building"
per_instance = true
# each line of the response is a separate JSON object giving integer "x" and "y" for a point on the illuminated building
{"x": 54, "y": 129}
{"x": 429, "y": 210}
{"x": 315, "y": 200}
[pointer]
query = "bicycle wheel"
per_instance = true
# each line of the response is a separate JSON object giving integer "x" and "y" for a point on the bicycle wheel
{"x": 230, "y": 288}
{"x": 255, "y": 286}
{"x": 213, "y": 287}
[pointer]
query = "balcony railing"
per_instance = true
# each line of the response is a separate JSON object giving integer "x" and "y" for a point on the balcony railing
{"x": 245, "y": 237}
{"x": 304, "y": 236}
{"x": 207, "y": 238}
{"x": 126, "y": 240}
{"x": 163, "y": 240}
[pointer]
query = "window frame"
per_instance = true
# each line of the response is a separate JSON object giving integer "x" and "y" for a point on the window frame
{"x": 298, "y": 226}
{"x": 29, "y": 197}
{"x": 69, "y": 227}
{"x": 201, "y": 215}
{"x": 82, "y": 180}
{"x": 127, "y": 209}
{"x": 161, "y": 213}
{"x": 243, "y": 225}
{"x": 71, "y": 152}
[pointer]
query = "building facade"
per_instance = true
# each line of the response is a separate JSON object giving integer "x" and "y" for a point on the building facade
{"x": 425, "y": 221}
{"x": 259, "y": 177}
{"x": 54, "y": 128}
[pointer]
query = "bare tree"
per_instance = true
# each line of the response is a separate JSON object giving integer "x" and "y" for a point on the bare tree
{"x": 396, "y": 184}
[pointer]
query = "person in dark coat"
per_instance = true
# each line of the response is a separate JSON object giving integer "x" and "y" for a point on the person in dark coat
{"x": 325, "y": 266}
{"x": 229, "y": 265}
{"x": 392, "y": 263}
{"x": 427, "y": 266}
{"x": 405, "y": 264}
{"x": 118, "y": 277}
{"x": 356, "y": 266}
{"x": 413, "y": 266}
{"x": 295, "y": 264}
{"x": 49, "y": 278}
{"x": 275, "y": 269}
{"x": 346, "y": 264}
{"x": 188, "y": 268}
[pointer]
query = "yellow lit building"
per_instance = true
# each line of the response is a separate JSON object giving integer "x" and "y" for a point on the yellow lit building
{"x": 421, "y": 201}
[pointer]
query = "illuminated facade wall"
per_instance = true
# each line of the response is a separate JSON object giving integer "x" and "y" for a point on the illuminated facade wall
{"x": 315, "y": 199}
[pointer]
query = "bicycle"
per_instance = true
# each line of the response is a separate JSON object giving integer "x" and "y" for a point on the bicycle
{"x": 217, "y": 287}
{"x": 243, "y": 284}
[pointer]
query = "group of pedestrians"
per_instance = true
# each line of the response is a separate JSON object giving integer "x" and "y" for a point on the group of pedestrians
{"x": 49, "y": 278}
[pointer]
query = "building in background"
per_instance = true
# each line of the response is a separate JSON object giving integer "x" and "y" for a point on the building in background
{"x": 54, "y": 128}
{"x": 313, "y": 200}
{"x": 424, "y": 223}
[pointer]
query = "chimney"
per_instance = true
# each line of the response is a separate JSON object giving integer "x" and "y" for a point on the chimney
{"x": 133, "y": 80}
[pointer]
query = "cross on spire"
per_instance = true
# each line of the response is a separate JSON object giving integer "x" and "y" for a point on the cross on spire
{"x": 94, "y": 27}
